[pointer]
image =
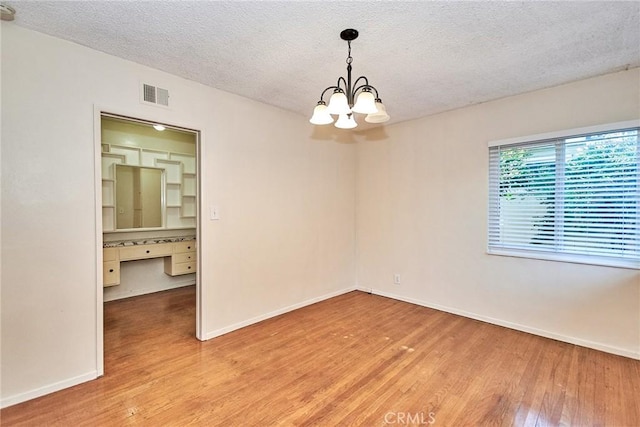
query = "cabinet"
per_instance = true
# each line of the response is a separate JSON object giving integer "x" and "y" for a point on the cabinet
{"x": 183, "y": 260}
{"x": 179, "y": 258}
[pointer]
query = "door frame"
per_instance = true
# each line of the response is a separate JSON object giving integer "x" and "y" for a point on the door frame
{"x": 98, "y": 110}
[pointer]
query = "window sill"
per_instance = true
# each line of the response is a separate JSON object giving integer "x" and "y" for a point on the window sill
{"x": 575, "y": 259}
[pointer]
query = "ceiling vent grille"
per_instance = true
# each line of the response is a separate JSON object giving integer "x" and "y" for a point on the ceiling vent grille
{"x": 155, "y": 95}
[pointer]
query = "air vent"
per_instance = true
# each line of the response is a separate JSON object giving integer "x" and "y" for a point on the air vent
{"x": 162, "y": 96}
{"x": 155, "y": 95}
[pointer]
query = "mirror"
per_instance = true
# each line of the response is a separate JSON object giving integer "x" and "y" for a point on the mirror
{"x": 139, "y": 197}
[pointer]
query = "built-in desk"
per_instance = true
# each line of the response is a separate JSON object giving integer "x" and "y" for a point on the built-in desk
{"x": 179, "y": 257}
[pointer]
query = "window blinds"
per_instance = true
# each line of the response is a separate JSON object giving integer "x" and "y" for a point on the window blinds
{"x": 568, "y": 198}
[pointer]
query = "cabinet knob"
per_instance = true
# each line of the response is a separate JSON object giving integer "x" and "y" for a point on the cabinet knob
{"x": 188, "y": 247}
{"x": 111, "y": 270}
{"x": 147, "y": 251}
{"x": 189, "y": 267}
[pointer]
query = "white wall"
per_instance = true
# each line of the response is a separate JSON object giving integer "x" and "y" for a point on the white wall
{"x": 422, "y": 213}
{"x": 286, "y": 200}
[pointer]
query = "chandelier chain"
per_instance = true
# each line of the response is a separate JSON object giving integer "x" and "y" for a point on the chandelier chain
{"x": 349, "y": 58}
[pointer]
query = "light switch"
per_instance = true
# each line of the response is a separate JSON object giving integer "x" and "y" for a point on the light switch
{"x": 214, "y": 213}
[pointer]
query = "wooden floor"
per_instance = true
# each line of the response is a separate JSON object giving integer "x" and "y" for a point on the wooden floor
{"x": 357, "y": 359}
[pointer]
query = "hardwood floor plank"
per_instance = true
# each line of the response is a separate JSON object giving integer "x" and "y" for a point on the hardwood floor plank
{"x": 356, "y": 359}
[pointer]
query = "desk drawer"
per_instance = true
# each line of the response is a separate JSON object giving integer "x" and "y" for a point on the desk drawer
{"x": 110, "y": 273}
{"x": 184, "y": 268}
{"x": 189, "y": 246}
{"x": 184, "y": 257}
{"x": 145, "y": 251}
{"x": 173, "y": 268}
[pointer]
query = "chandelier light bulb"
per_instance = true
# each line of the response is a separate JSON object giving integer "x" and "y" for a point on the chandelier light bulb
{"x": 338, "y": 103}
{"x": 365, "y": 103}
{"x": 346, "y": 121}
{"x": 320, "y": 115}
{"x": 379, "y": 117}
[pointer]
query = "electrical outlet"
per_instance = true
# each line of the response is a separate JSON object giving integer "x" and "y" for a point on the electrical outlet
{"x": 396, "y": 279}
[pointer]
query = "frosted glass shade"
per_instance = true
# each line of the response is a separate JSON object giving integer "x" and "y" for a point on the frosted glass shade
{"x": 346, "y": 121}
{"x": 321, "y": 116}
{"x": 380, "y": 117}
{"x": 338, "y": 104}
{"x": 365, "y": 103}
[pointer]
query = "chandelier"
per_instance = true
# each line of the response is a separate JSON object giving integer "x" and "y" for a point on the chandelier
{"x": 344, "y": 94}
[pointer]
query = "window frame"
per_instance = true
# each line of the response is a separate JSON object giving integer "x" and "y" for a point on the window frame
{"x": 631, "y": 263}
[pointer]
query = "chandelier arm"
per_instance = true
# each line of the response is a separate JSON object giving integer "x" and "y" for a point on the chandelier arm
{"x": 366, "y": 82}
{"x": 344, "y": 82}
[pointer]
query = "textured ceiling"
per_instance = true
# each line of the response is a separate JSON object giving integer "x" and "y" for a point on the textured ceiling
{"x": 423, "y": 57}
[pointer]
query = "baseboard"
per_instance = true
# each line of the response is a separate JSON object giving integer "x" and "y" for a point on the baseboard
{"x": 244, "y": 323}
{"x": 51, "y": 388}
{"x": 518, "y": 327}
{"x": 144, "y": 291}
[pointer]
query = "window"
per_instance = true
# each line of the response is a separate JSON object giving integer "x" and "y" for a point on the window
{"x": 568, "y": 196}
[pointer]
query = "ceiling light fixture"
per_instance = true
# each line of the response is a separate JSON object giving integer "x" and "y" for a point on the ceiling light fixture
{"x": 159, "y": 128}
{"x": 7, "y": 13}
{"x": 344, "y": 94}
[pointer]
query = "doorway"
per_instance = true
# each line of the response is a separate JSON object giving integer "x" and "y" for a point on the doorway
{"x": 147, "y": 204}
